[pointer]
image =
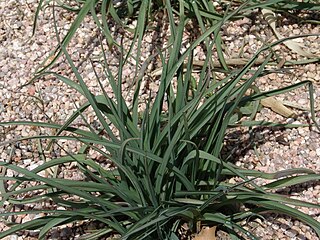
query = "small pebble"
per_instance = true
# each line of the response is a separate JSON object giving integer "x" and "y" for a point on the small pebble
{"x": 291, "y": 233}
{"x": 14, "y": 237}
{"x": 318, "y": 152}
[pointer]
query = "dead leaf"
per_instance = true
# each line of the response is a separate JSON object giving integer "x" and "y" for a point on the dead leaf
{"x": 270, "y": 17}
{"x": 277, "y": 107}
{"x": 206, "y": 233}
{"x": 49, "y": 60}
{"x": 229, "y": 62}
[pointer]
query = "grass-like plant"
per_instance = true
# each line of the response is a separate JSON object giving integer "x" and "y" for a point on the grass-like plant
{"x": 169, "y": 169}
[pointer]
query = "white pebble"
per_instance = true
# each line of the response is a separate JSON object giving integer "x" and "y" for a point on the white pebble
{"x": 318, "y": 152}
{"x": 14, "y": 237}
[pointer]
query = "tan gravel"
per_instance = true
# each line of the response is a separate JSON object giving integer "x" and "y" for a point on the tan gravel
{"x": 49, "y": 100}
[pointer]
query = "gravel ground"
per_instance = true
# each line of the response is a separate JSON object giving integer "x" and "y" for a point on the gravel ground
{"x": 49, "y": 100}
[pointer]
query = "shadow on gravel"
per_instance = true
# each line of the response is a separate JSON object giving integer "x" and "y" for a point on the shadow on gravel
{"x": 239, "y": 142}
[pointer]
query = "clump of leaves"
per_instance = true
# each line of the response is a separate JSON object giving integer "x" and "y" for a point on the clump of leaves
{"x": 168, "y": 166}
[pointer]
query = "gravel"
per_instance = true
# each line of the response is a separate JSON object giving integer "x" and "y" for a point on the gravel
{"x": 48, "y": 99}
